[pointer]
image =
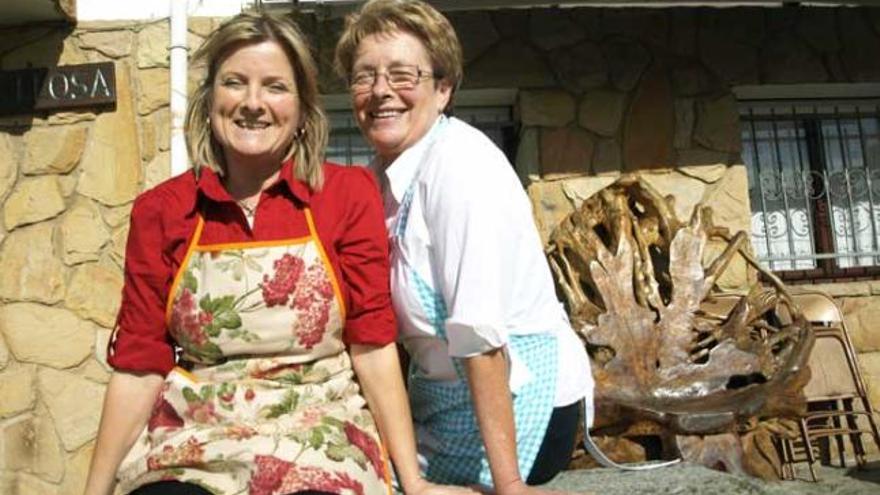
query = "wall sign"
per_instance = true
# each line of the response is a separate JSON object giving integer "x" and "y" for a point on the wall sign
{"x": 56, "y": 88}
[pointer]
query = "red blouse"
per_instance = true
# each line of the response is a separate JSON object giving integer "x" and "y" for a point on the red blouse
{"x": 348, "y": 218}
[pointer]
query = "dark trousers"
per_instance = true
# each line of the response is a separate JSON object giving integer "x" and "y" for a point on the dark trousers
{"x": 178, "y": 488}
{"x": 557, "y": 446}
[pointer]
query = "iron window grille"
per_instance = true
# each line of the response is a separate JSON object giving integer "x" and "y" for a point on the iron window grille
{"x": 814, "y": 186}
{"x": 347, "y": 146}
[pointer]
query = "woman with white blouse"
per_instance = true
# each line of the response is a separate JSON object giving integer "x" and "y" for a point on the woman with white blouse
{"x": 497, "y": 374}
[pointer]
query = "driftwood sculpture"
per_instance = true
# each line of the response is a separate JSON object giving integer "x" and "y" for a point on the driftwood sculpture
{"x": 711, "y": 375}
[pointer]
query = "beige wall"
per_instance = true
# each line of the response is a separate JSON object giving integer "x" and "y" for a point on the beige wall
{"x": 600, "y": 91}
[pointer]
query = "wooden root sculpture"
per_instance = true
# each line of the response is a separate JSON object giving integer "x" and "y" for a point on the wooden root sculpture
{"x": 644, "y": 300}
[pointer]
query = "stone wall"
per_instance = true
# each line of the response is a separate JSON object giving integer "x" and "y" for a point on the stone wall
{"x": 600, "y": 91}
{"x": 67, "y": 181}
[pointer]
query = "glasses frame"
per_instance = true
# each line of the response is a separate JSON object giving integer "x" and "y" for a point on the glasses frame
{"x": 368, "y": 84}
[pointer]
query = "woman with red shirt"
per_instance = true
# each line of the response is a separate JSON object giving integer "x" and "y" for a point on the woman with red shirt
{"x": 256, "y": 289}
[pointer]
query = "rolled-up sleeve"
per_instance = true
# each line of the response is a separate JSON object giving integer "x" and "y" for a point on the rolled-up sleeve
{"x": 363, "y": 261}
{"x": 140, "y": 341}
{"x": 467, "y": 215}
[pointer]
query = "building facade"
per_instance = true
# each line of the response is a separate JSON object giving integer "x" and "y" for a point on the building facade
{"x": 739, "y": 108}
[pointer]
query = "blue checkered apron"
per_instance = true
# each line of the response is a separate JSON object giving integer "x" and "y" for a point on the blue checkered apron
{"x": 444, "y": 409}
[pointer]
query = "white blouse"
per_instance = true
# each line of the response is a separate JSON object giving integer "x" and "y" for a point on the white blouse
{"x": 470, "y": 237}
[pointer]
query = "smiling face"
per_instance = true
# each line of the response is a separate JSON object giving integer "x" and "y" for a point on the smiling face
{"x": 255, "y": 109}
{"x": 393, "y": 120}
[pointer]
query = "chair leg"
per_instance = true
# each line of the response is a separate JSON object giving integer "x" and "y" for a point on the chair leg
{"x": 788, "y": 460}
{"x": 838, "y": 439}
{"x": 855, "y": 436}
{"x": 808, "y": 447}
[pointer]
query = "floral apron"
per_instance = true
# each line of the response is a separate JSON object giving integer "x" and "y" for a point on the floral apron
{"x": 449, "y": 438}
{"x": 271, "y": 406}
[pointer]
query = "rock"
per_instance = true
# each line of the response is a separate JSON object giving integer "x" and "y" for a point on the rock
{"x": 114, "y": 44}
{"x": 818, "y": 28}
{"x": 94, "y": 371}
{"x": 53, "y": 150}
{"x": 26, "y": 484}
{"x": 787, "y": 59}
{"x": 690, "y": 80}
{"x": 627, "y": 61}
{"x": 609, "y": 158}
{"x": 700, "y": 157}
{"x": 33, "y": 200}
{"x": 860, "y": 46}
{"x": 528, "y": 162}
{"x": 601, "y": 111}
{"x": 590, "y": 20}
{"x": 77, "y": 469}
{"x": 579, "y": 189}
{"x": 709, "y": 174}
{"x": 741, "y": 25}
{"x": 17, "y": 389}
{"x": 734, "y": 63}
{"x": 647, "y": 25}
{"x": 153, "y": 90}
{"x": 117, "y": 216}
{"x": 510, "y": 22}
{"x": 549, "y": 206}
{"x": 75, "y": 405}
{"x": 201, "y": 26}
{"x": 161, "y": 122}
{"x": 66, "y": 118}
{"x": 31, "y": 269}
{"x": 54, "y": 49}
{"x": 729, "y": 200}
{"x": 684, "y": 122}
{"x": 686, "y": 191}
{"x": 683, "y": 32}
{"x": 152, "y": 45}
{"x": 8, "y": 165}
{"x": 649, "y": 126}
{"x": 102, "y": 339}
{"x": 565, "y": 151}
{"x": 111, "y": 164}
{"x": 549, "y": 108}
{"x": 718, "y": 125}
{"x": 511, "y": 60}
{"x": 475, "y": 32}
{"x": 581, "y": 67}
{"x": 45, "y": 335}
{"x": 553, "y": 28}
{"x": 82, "y": 233}
{"x": 118, "y": 242}
{"x": 4, "y": 353}
{"x": 94, "y": 293}
{"x": 32, "y": 446}
{"x": 158, "y": 170}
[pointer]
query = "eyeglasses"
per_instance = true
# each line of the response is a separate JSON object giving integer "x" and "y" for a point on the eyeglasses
{"x": 398, "y": 77}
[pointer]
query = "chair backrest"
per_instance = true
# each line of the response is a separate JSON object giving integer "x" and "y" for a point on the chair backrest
{"x": 819, "y": 308}
{"x": 831, "y": 372}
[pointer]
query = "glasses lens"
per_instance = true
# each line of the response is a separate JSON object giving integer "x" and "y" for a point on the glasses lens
{"x": 403, "y": 77}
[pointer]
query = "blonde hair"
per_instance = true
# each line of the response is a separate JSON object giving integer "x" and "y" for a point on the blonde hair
{"x": 308, "y": 145}
{"x": 415, "y": 17}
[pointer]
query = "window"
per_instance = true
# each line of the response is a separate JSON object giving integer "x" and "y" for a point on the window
{"x": 348, "y": 147}
{"x": 814, "y": 185}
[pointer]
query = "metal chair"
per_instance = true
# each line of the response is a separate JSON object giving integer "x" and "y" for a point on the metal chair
{"x": 837, "y": 401}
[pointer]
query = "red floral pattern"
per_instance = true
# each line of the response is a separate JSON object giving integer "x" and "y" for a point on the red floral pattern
{"x": 363, "y": 441}
{"x": 190, "y": 453}
{"x": 273, "y": 476}
{"x": 163, "y": 416}
{"x": 187, "y": 320}
{"x": 311, "y": 301}
{"x": 277, "y": 290}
